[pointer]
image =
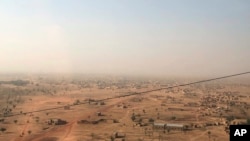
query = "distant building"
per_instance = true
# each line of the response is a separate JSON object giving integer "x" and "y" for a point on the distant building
{"x": 159, "y": 126}
{"x": 168, "y": 126}
{"x": 175, "y": 126}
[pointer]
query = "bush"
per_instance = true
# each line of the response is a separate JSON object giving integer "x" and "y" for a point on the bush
{"x": 248, "y": 121}
{"x": 230, "y": 118}
{"x": 173, "y": 118}
{"x": 151, "y": 120}
{"x": 133, "y": 117}
{"x": 15, "y": 121}
{"x": 3, "y": 129}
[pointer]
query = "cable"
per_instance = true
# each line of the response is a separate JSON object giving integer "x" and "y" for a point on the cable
{"x": 131, "y": 94}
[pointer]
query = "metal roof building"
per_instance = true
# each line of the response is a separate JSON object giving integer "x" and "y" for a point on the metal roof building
{"x": 175, "y": 125}
{"x": 159, "y": 124}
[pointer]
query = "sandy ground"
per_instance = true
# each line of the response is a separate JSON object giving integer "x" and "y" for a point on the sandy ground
{"x": 162, "y": 106}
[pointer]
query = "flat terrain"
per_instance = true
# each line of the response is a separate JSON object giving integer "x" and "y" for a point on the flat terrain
{"x": 200, "y": 112}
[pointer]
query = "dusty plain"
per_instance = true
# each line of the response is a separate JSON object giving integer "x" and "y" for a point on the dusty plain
{"x": 73, "y": 111}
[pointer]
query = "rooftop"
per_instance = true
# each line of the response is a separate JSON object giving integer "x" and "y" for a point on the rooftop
{"x": 174, "y": 125}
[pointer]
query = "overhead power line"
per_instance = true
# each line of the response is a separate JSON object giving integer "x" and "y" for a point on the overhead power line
{"x": 130, "y": 94}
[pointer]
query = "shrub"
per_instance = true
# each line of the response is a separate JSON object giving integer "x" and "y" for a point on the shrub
{"x": 248, "y": 121}
{"x": 133, "y": 117}
{"x": 151, "y": 120}
{"x": 173, "y": 118}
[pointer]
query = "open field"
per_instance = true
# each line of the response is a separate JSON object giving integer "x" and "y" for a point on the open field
{"x": 197, "y": 112}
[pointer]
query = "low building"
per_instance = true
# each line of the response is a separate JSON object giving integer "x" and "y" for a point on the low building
{"x": 175, "y": 126}
{"x": 168, "y": 126}
{"x": 159, "y": 126}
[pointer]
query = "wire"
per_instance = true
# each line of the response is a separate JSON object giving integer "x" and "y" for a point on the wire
{"x": 130, "y": 94}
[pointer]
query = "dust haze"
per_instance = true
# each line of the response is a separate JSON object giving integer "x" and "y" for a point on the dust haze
{"x": 119, "y": 38}
{"x": 114, "y": 70}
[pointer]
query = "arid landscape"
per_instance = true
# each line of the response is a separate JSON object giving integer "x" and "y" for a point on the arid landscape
{"x": 191, "y": 113}
{"x": 124, "y": 70}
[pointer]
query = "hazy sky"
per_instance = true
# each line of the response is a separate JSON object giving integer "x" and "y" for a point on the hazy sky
{"x": 151, "y": 37}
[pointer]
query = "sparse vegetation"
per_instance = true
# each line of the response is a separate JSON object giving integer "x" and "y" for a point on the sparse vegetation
{"x": 179, "y": 108}
{"x": 133, "y": 117}
{"x": 230, "y": 118}
{"x": 151, "y": 120}
{"x": 209, "y": 134}
{"x": 173, "y": 118}
{"x": 3, "y": 129}
{"x": 248, "y": 121}
{"x": 15, "y": 121}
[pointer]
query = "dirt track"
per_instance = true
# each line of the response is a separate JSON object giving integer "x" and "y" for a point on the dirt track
{"x": 67, "y": 129}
